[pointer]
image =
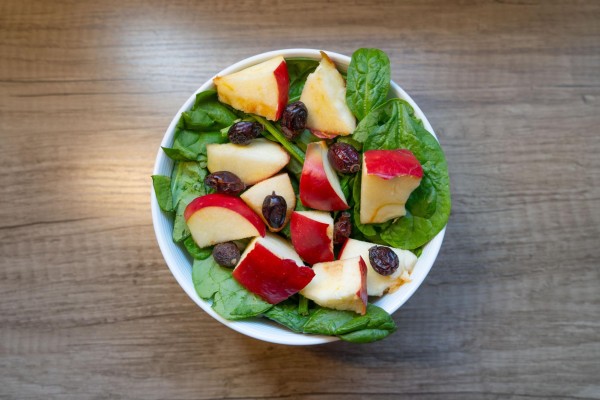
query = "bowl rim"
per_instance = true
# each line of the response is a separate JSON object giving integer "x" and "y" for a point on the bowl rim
{"x": 170, "y": 250}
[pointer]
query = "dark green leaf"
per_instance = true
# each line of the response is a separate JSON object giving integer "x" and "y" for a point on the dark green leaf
{"x": 207, "y": 277}
{"x": 180, "y": 228}
{"x": 305, "y": 138}
{"x": 195, "y": 251}
{"x": 208, "y": 117}
{"x": 230, "y": 299}
{"x": 178, "y": 154}
{"x": 385, "y": 127}
{"x": 287, "y": 314}
{"x": 204, "y": 97}
{"x": 325, "y": 321}
{"x": 368, "y": 81}
{"x": 187, "y": 181}
{"x": 348, "y": 139}
{"x": 346, "y": 183}
{"x": 376, "y": 324}
{"x": 162, "y": 190}
{"x": 190, "y": 145}
{"x": 393, "y": 126}
{"x": 233, "y": 301}
{"x": 186, "y": 184}
{"x": 365, "y": 335}
{"x": 298, "y": 70}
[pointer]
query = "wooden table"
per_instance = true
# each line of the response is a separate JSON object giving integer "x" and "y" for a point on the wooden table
{"x": 88, "y": 307}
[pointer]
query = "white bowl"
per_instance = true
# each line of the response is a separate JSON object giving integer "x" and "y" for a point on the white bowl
{"x": 180, "y": 263}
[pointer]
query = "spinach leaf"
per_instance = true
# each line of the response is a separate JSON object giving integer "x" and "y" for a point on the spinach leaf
{"x": 187, "y": 183}
{"x": 376, "y": 324}
{"x": 180, "y": 228}
{"x": 178, "y": 154}
{"x": 162, "y": 190}
{"x": 288, "y": 315}
{"x": 207, "y": 114}
{"x": 348, "y": 139}
{"x": 230, "y": 299}
{"x": 385, "y": 127}
{"x": 368, "y": 81}
{"x": 204, "y": 97}
{"x": 393, "y": 125}
{"x": 346, "y": 183}
{"x": 298, "y": 70}
{"x": 207, "y": 277}
{"x": 326, "y": 321}
{"x": 189, "y": 145}
{"x": 195, "y": 251}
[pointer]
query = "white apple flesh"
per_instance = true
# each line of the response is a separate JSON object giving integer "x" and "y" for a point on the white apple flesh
{"x": 377, "y": 284}
{"x": 324, "y": 95}
{"x": 281, "y": 186}
{"x": 339, "y": 284}
{"x": 217, "y": 218}
{"x": 261, "y": 89}
{"x": 388, "y": 178}
{"x": 252, "y": 163}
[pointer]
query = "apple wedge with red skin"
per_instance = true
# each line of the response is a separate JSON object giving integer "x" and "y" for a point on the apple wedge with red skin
{"x": 271, "y": 269}
{"x": 378, "y": 284}
{"x": 388, "y": 178}
{"x": 261, "y": 89}
{"x": 312, "y": 235}
{"x": 217, "y": 218}
{"x": 319, "y": 184}
{"x": 340, "y": 284}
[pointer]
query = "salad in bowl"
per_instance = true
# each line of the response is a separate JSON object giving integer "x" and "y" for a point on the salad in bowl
{"x": 301, "y": 197}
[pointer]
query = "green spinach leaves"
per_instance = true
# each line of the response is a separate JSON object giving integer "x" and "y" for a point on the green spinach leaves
{"x": 162, "y": 190}
{"x": 393, "y": 125}
{"x": 298, "y": 70}
{"x": 368, "y": 81}
{"x": 375, "y": 325}
{"x": 230, "y": 299}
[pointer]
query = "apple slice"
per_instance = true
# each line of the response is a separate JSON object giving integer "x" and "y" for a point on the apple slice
{"x": 340, "y": 285}
{"x": 261, "y": 89}
{"x": 281, "y": 186}
{"x": 324, "y": 95}
{"x": 252, "y": 163}
{"x": 271, "y": 268}
{"x": 387, "y": 180}
{"x": 378, "y": 284}
{"x": 312, "y": 235}
{"x": 217, "y": 218}
{"x": 319, "y": 184}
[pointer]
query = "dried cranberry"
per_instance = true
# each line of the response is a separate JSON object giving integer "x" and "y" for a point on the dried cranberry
{"x": 383, "y": 260}
{"x": 243, "y": 132}
{"x": 225, "y": 182}
{"x": 294, "y": 118}
{"x": 342, "y": 228}
{"x": 274, "y": 210}
{"x": 344, "y": 158}
{"x": 226, "y": 254}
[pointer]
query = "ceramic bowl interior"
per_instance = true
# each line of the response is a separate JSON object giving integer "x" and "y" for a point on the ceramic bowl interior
{"x": 180, "y": 263}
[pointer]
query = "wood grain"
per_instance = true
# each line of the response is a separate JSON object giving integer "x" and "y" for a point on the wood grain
{"x": 89, "y": 309}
